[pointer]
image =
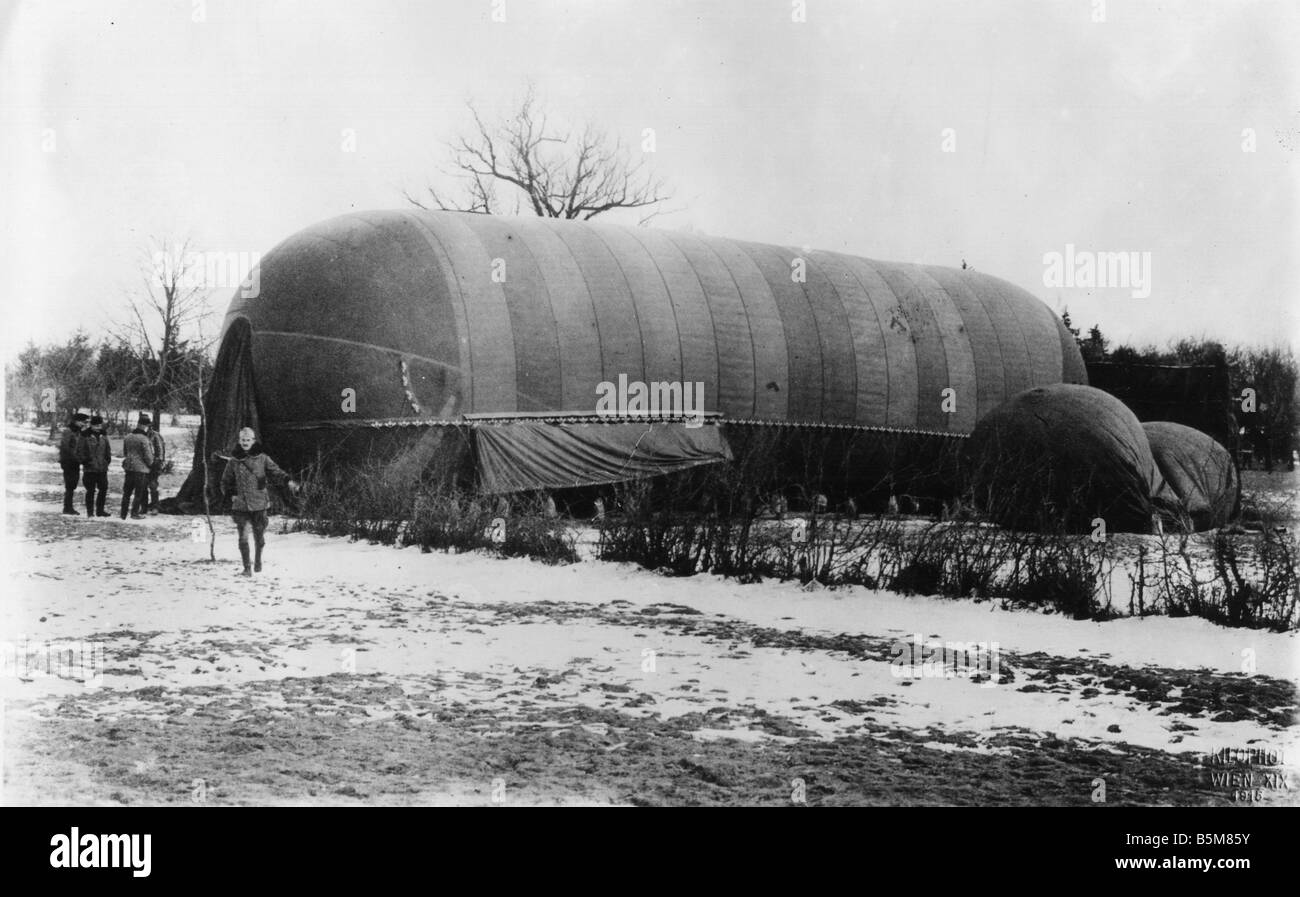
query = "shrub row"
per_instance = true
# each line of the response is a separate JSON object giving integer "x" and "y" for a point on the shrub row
{"x": 367, "y": 505}
{"x": 716, "y": 520}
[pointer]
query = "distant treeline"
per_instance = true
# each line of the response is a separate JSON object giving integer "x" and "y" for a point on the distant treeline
{"x": 48, "y": 383}
{"x": 1245, "y": 396}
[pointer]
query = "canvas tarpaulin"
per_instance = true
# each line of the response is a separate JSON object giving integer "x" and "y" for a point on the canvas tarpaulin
{"x": 525, "y": 454}
{"x": 1198, "y": 470}
{"x": 230, "y": 403}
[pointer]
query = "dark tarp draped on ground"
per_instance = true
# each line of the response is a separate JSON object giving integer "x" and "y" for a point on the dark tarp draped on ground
{"x": 1199, "y": 471}
{"x": 522, "y": 455}
{"x": 1061, "y": 456}
{"x": 230, "y": 404}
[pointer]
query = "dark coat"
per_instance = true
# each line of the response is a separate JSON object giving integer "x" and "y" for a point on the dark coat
{"x": 96, "y": 453}
{"x": 245, "y": 478}
{"x": 70, "y": 448}
{"x": 159, "y": 449}
{"x": 137, "y": 454}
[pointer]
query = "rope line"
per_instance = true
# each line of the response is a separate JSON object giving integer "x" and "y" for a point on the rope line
{"x": 507, "y": 420}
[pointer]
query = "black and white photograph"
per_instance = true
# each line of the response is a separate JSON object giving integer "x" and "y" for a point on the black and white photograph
{"x": 734, "y": 403}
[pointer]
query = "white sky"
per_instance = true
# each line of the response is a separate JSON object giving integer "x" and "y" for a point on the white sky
{"x": 1122, "y": 135}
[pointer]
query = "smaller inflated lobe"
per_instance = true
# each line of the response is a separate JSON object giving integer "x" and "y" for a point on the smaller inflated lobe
{"x": 1200, "y": 474}
{"x": 1063, "y": 457}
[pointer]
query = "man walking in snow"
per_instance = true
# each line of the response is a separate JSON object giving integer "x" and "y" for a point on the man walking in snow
{"x": 244, "y": 482}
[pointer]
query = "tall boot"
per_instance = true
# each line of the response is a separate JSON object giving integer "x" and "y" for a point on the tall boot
{"x": 243, "y": 553}
{"x": 68, "y": 495}
{"x": 257, "y": 558}
{"x": 90, "y": 503}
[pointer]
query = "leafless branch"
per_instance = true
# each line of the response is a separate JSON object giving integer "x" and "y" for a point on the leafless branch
{"x": 557, "y": 173}
{"x": 162, "y": 312}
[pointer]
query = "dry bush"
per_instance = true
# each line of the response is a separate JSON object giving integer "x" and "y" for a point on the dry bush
{"x": 724, "y": 519}
{"x": 678, "y": 526}
{"x": 1233, "y": 578}
{"x": 365, "y": 502}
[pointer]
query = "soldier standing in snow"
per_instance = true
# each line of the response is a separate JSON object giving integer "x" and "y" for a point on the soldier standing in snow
{"x": 244, "y": 483}
{"x": 96, "y": 455}
{"x": 159, "y": 456}
{"x": 70, "y": 459}
{"x": 137, "y": 459}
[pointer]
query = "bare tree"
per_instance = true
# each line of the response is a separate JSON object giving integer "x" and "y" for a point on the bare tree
{"x": 160, "y": 318}
{"x": 555, "y": 172}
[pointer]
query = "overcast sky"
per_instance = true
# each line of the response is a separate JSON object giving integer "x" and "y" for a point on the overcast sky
{"x": 122, "y": 121}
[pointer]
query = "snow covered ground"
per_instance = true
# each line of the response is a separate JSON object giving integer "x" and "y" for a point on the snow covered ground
{"x": 351, "y": 673}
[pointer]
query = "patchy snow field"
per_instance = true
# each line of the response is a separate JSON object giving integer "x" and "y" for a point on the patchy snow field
{"x": 357, "y": 674}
